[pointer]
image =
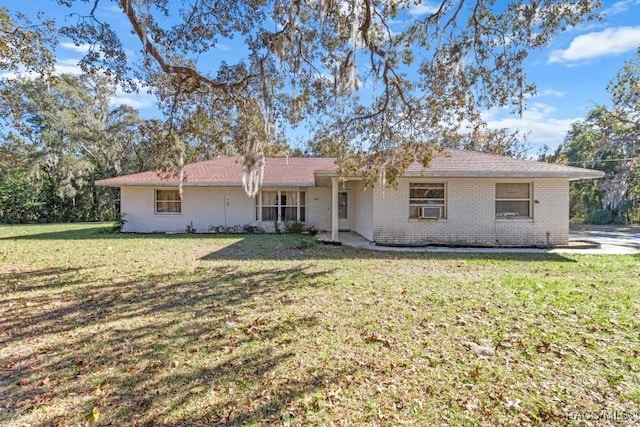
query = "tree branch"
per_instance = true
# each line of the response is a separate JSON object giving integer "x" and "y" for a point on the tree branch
{"x": 150, "y": 49}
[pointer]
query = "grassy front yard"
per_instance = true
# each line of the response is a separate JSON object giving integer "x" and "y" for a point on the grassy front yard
{"x": 264, "y": 330}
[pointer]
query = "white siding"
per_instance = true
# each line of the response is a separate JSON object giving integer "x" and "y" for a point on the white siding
{"x": 319, "y": 207}
{"x": 471, "y": 215}
{"x": 211, "y": 206}
{"x": 363, "y": 207}
{"x": 202, "y": 206}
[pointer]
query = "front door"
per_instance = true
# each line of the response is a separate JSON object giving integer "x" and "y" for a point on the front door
{"x": 344, "y": 214}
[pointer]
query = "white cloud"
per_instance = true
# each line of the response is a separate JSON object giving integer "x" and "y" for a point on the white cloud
{"x": 62, "y": 66}
{"x": 222, "y": 46}
{"x": 537, "y": 123}
{"x": 422, "y": 9}
{"x": 612, "y": 41}
{"x": 81, "y": 48}
{"x": 551, "y": 92}
{"x": 138, "y": 100}
{"x": 133, "y": 100}
{"x": 68, "y": 66}
{"x": 620, "y": 7}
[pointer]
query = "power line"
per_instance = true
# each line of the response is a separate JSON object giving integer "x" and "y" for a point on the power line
{"x": 602, "y": 161}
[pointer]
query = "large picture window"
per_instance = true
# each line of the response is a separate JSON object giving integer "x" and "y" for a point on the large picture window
{"x": 281, "y": 205}
{"x": 513, "y": 200}
{"x": 427, "y": 201}
{"x": 168, "y": 202}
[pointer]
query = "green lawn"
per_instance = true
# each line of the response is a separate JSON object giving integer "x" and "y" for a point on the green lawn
{"x": 277, "y": 330}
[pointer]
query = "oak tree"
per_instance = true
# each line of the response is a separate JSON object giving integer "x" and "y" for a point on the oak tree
{"x": 371, "y": 79}
{"x": 608, "y": 139}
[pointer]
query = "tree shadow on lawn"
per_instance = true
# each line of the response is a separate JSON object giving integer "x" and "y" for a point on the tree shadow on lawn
{"x": 159, "y": 350}
{"x": 302, "y": 248}
{"x": 47, "y": 278}
{"x": 284, "y": 246}
{"x": 37, "y": 232}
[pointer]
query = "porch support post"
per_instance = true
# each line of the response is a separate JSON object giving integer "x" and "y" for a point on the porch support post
{"x": 334, "y": 209}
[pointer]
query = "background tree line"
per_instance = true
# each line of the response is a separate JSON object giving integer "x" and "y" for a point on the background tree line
{"x": 59, "y": 134}
{"x": 608, "y": 139}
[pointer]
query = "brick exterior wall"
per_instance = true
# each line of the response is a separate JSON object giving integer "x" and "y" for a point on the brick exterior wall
{"x": 471, "y": 217}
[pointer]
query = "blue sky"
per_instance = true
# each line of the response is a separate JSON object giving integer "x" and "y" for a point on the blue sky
{"x": 571, "y": 73}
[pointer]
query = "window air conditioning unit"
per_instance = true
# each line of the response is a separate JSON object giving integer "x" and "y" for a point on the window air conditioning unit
{"x": 430, "y": 212}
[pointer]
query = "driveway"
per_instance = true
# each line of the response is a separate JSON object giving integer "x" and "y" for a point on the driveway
{"x": 610, "y": 240}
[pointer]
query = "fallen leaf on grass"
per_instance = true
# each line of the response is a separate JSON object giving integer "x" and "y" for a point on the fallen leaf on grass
{"x": 484, "y": 349}
{"x": 374, "y": 338}
{"x": 198, "y": 389}
{"x": 94, "y": 416}
{"x": 543, "y": 347}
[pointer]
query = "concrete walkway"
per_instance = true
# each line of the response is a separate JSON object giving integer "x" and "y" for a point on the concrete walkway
{"x": 608, "y": 246}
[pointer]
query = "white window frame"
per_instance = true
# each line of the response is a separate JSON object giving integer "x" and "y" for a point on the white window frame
{"x": 414, "y": 204}
{"x": 513, "y": 199}
{"x": 281, "y": 208}
{"x": 176, "y": 201}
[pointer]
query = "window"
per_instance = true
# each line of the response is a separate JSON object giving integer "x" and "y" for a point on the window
{"x": 427, "y": 201}
{"x": 168, "y": 202}
{"x": 275, "y": 205}
{"x": 513, "y": 200}
{"x": 343, "y": 200}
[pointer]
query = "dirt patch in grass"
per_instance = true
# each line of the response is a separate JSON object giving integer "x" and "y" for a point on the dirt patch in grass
{"x": 264, "y": 330}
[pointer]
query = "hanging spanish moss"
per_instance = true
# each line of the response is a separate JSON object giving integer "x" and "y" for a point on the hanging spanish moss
{"x": 254, "y": 131}
{"x": 253, "y": 167}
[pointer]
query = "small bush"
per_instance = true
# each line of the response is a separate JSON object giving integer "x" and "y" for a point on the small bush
{"x": 312, "y": 230}
{"x": 235, "y": 229}
{"x": 252, "y": 229}
{"x": 294, "y": 227}
{"x": 190, "y": 228}
{"x": 633, "y": 216}
{"x": 599, "y": 217}
{"x": 118, "y": 223}
{"x": 216, "y": 229}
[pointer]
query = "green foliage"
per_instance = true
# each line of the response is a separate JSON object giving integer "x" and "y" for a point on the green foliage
{"x": 119, "y": 222}
{"x": 313, "y": 63}
{"x": 64, "y": 134}
{"x": 252, "y": 229}
{"x": 633, "y": 214}
{"x": 599, "y": 217}
{"x": 312, "y": 230}
{"x": 294, "y": 227}
{"x": 24, "y": 43}
{"x": 20, "y": 199}
{"x": 216, "y": 229}
{"x": 190, "y": 228}
{"x": 608, "y": 140}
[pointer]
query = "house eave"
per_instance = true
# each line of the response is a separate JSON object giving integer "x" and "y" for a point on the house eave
{"x": 200, "y": 184}
{"x": 571, "y": 176}
{"x": 506, "y": 174}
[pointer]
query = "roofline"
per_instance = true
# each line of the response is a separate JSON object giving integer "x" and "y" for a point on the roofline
{"x": 102, "y": 183}
{"x": 571, "y": 176}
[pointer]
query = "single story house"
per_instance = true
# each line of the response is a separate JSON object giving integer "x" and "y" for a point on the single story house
{"x": 463, "y": 198}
